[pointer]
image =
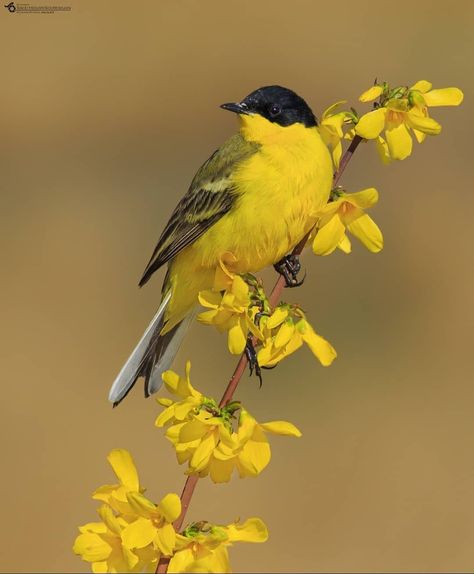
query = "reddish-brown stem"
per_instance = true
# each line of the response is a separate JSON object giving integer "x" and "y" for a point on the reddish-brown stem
{"x": 234, "y": 381}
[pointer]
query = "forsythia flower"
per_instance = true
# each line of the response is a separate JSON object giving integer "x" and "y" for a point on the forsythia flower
{"x": 400, "y": 111}
{"x": 101, "y": 544}
{"x": 229, "y": 313}
{"x": 115, "y": 495}
{"x": 134, "y": 531}
{"x": 254, "y": 451}
{"x": 330, "y": 129}
{"x": 233, "y": 311}
{"x": 285, "y": 331}
{"x": 203, "y": 547}
{"x": 347, "y": 212}
{"x": 203, "y": 434}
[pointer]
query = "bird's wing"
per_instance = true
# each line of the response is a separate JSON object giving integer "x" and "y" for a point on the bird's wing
{"x": 210, "y": 196}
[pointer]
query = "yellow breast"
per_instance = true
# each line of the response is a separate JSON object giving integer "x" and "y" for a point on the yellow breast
{"x": 281, "y": 189}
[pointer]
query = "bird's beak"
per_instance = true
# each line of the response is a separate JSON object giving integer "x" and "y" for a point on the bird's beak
{"x": 236, "y": 108}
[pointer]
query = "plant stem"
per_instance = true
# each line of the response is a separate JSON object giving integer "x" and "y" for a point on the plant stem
{"x": 234, "y": 381}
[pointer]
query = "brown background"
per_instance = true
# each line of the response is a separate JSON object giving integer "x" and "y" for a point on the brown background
{"x": 106, "y": 113}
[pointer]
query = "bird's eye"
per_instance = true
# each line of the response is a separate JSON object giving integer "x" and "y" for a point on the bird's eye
{"x": 275, "y": 110}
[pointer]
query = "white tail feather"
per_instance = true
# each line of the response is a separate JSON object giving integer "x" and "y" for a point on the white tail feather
{"x": 126, "y": 377}
{"x": 164, "y": 363}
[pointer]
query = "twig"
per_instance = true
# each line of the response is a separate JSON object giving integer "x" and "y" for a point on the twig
{"x": 275, "y": 296}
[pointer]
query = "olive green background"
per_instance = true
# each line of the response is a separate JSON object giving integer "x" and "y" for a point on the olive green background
{"x": 106, "y": 113}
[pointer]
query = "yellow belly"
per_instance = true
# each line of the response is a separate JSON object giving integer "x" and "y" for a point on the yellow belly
{"x": 281, "y": 189}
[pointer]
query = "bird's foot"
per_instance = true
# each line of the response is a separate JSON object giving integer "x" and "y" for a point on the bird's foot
{"x": 251, "y": 354}
{"x": 289, "y": 267}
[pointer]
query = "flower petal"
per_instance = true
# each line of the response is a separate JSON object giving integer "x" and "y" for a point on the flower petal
{"x": 252, "y": 530}
{"x": 170, "y": 507}
{"x": 328, "y": 237}
{"x": 420, "y": 136}
{"x": 345, "y": 245}
{"x": 423, "y": 123}
{"x": 337, "y": 154}
{"x": 202, "y": 454}
{"x": 257, "y": 450}
{"x": 277, "y": 317}
{"x": 141, "y": 505}
{"x": 399, "y": 141}
{"x": 382, "y": 150}
{"x": 221, "y": 470}
{"x": 444, "y": 97}
{"x": 240, "y": 289}
{"x": 138, "y": 534}
{"x": 422, "y": 86}
{"x": 281, "y": 427}
{"x": 322, "y": 349}
{"x": 329, "y": 111}
{"x": 368, "y": 232}
{"x": 285, "y": 333}
{"x": 109, "y": 518}
{"x": 181, "y": 561}
{"x": 237, "y": 337}
{"x": 124, "y": 468}
{"x": 370, "y": 125}
{"x": 166, "y": 539}
{"x": 91, "y": 547}
{"x": 247, "y": 426}
{"x": 371, "y": 94}
{"x": 210, "y": 299}
{"x": 364, "y": 199}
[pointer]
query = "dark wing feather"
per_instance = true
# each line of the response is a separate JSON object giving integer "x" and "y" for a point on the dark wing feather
{"x": 210, "y": 196}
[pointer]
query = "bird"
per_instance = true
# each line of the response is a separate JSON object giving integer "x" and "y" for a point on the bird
{"x": 255, "y": 197}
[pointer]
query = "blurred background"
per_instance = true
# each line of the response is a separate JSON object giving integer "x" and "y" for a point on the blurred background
{"x": 106, "y": 113}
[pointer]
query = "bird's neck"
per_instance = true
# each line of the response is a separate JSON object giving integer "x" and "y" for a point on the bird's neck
{"x": 257, "y": 129}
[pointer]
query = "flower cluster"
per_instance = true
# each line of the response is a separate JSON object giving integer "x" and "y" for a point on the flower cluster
{"x": 239, "y": 305}
{"x": 134, "y": 533}
{"x": 234, "y": 304}
{"x": 398, "y": 112}
{"x": 203, "y": 434}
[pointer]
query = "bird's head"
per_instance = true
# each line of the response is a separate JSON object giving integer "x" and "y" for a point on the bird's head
{"x": 271, "y": 108}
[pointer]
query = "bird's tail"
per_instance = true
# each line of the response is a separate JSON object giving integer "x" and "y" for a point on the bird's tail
{"x": 151, "y": 357}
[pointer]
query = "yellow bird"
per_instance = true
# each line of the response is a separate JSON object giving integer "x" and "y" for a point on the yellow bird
{"x": 255, "y": 197}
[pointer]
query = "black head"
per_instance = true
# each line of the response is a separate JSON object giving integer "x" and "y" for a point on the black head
{"x": 278, "y": 105}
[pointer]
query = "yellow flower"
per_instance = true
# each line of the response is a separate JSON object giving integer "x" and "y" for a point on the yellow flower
{"x": 204, "y": 441}
{"x": 115, "y": 495}
{"x": 228, "y": 313}
{"x": 286, "y": 332}
{"x": 330, "y": 129}
{"x": 203, "y": 434}
{"x": 154, "y": 524}
{"x": 400, "y": 111}
{"x": 134, "y": 531}
{"x": 347, "y": 211}
{"x": 203, "y": 547}
{"x": 101, "y": 544}
{"x": 254, "y": 449}
{"x": 181, "y": 387}
{"x": 233, "y": 304}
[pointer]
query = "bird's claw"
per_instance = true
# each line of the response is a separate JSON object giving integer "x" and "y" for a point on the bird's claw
{"x": 289, "y": 267}
{"x": 253, "y": 361}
